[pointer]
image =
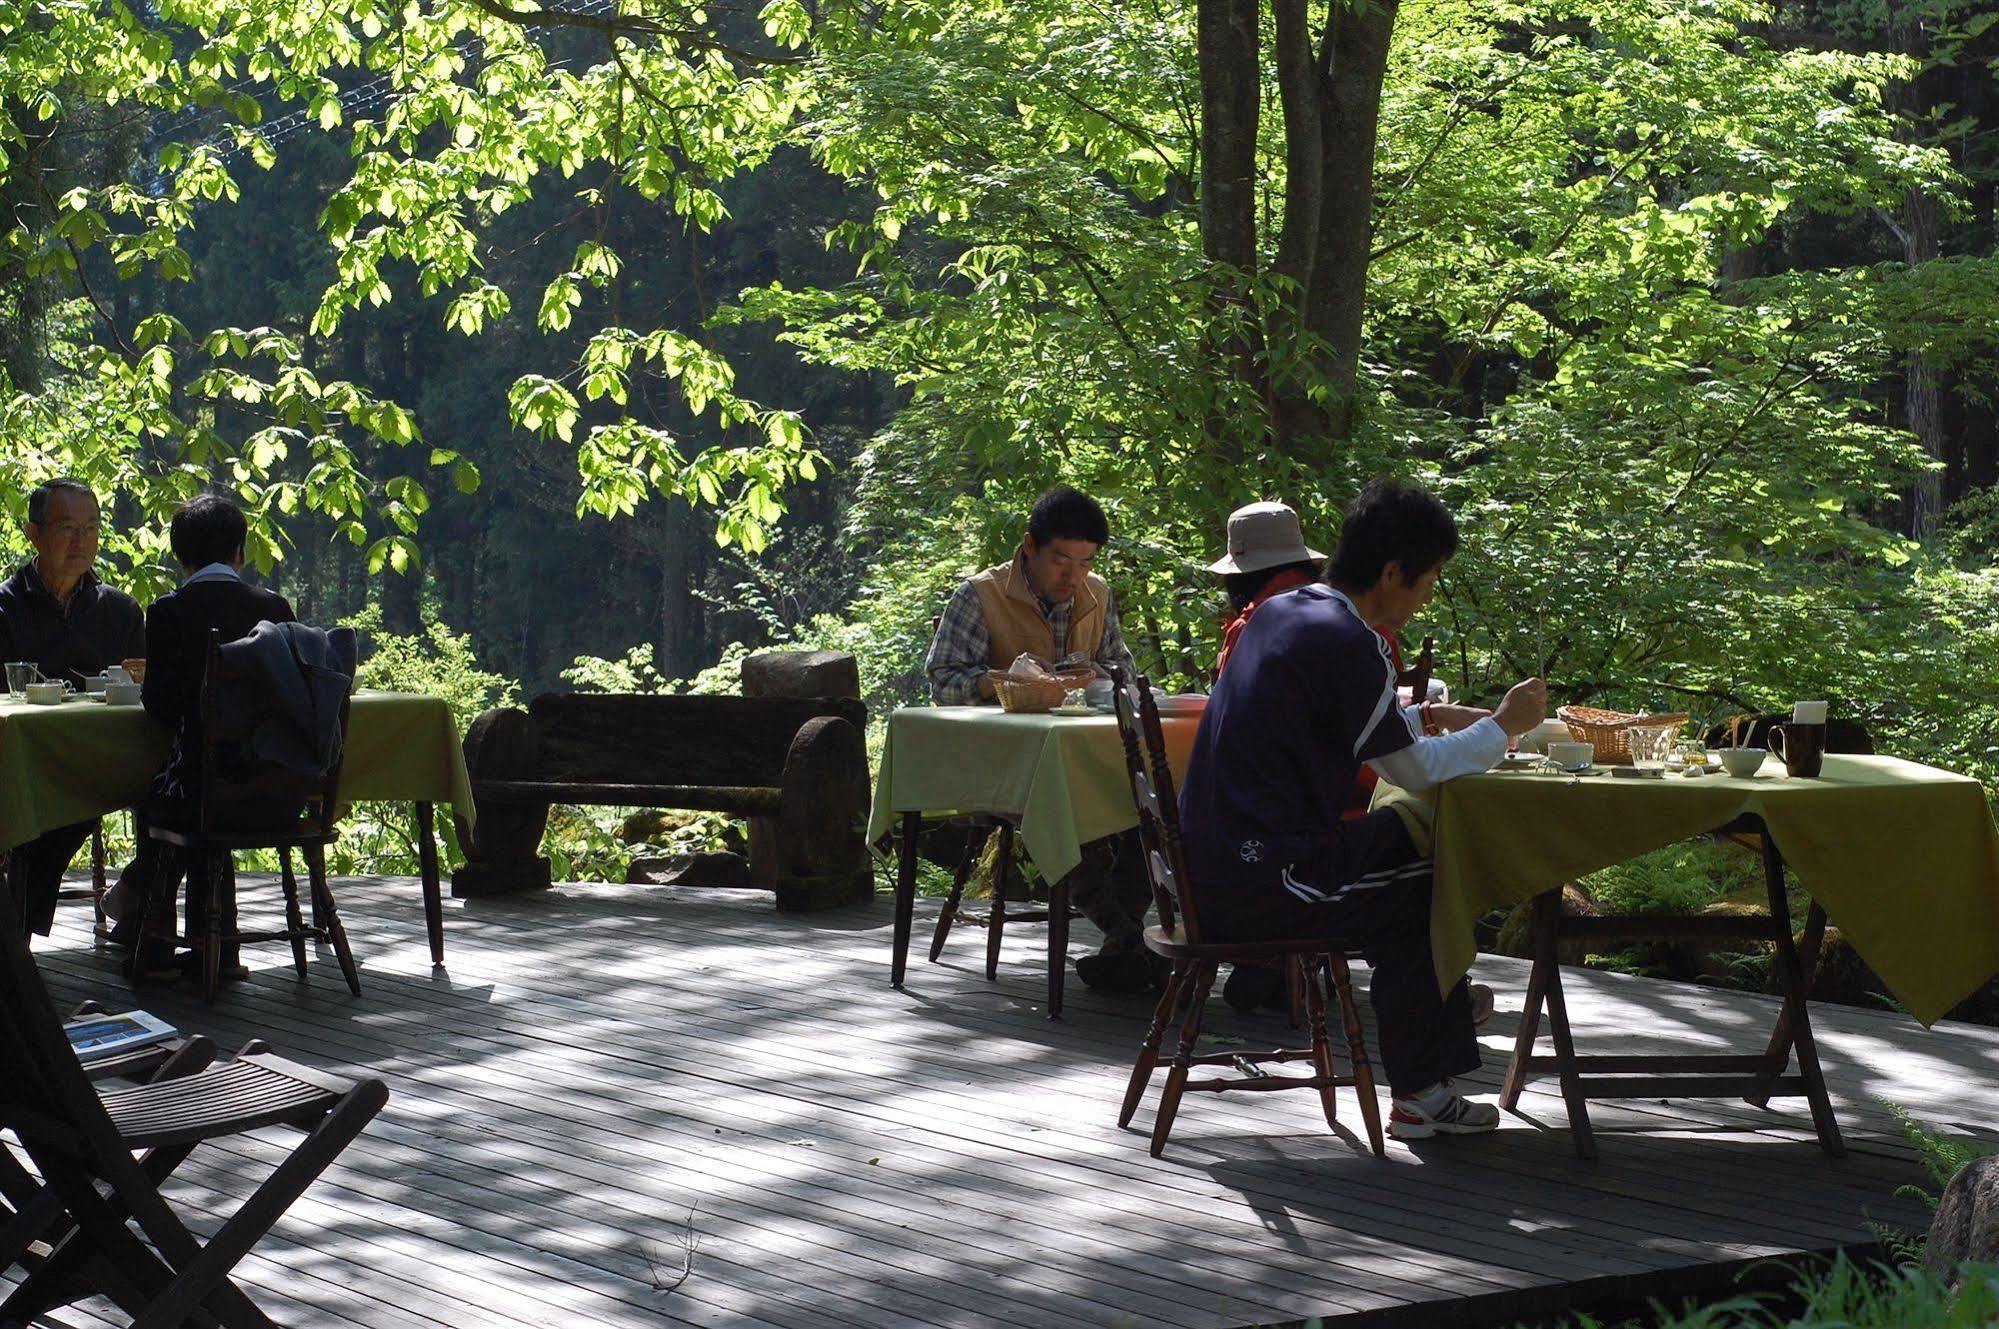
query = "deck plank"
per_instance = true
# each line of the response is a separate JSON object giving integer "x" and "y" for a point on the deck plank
{"x": 598, "y": 1067}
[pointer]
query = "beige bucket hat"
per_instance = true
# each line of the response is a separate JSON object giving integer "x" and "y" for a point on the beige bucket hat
{"x": 1264, "y": 535}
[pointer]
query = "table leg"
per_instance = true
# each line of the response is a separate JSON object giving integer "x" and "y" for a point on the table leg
{"x": 433, "y": 900}
{"x": 1778, "y": 1054}
{"x": 1547, "y": 916}
{"x": 996, "y": 916}
{"x": 1530, "y": 1009}
{"x": 1058, "y": 945}
{"x": 905, "y": 897}
{"x": 1790, "y": 975}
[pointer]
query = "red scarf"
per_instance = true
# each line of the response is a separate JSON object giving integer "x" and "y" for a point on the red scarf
{"x": 1282, "y": 582}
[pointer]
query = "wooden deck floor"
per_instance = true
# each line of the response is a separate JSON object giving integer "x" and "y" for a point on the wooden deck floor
{"x": 612, "y": 1087}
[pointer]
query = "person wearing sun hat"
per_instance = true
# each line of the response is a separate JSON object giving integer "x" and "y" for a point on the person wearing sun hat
{"x": 1267, "y": 556}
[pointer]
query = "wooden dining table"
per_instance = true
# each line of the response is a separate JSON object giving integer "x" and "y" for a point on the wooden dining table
{"x": 1060, "y": 780}
{"x": 77, "y": 761}
{"x": 1903, "y": 858}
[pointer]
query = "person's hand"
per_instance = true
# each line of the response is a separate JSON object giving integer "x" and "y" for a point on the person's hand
{"x": 1451, "y": 718}
{"x": 1524, "y": 706}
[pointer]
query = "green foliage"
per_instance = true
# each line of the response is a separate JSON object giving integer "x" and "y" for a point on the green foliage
{"x": 1846, "y": 1295}
{"x": 1679, "y": 879}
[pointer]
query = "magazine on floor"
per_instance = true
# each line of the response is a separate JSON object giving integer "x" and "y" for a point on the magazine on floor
{"x": 96, "y": 1037}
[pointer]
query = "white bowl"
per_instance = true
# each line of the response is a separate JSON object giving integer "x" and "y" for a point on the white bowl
{"x": 1743, "y": 762}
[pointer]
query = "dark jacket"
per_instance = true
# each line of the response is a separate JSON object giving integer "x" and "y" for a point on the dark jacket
{"x": 305, "y": 673}
{"x": 99, "y": 627}
{"x": 177, "y": 628}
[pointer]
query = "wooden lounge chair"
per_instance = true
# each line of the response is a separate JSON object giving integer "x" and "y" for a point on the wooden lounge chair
{"x": 1177, "y": 937}
{"x": 102, "y": 1158}
{"x": 227, "y": 819}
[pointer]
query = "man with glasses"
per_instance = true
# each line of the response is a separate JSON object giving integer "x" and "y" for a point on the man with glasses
{"x": 56, "y": 614}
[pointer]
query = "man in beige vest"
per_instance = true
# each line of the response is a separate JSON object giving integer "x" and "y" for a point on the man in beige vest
{"x": 1047, "y": 603}
{"x": 1044, "y": 602}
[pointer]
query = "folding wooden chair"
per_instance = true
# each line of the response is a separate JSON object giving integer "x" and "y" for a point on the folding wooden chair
{"x": 93, "y": 1189}
{"x": 251, "y": 806}
{"x": 1177, "y": 938}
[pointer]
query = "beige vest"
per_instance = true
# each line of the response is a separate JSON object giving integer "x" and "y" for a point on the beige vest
{"x": 1015, "y": 623}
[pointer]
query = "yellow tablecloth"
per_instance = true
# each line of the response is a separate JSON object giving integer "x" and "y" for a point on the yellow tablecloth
{"x": 1062, "y": 778}
{"x": 1903, "y": 857}
{"x": 69, "y": 763}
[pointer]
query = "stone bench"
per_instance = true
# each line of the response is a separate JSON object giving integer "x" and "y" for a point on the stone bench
{"x": 796, "y": 767}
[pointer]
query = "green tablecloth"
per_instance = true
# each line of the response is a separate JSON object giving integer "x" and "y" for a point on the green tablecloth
{"x": 1903, "y": 857}
{"x": 69, "y": 763}
{"x": 1062, "y": 778}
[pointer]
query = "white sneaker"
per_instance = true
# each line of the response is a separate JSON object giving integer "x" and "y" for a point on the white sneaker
{"x": 1410, "y": 1119}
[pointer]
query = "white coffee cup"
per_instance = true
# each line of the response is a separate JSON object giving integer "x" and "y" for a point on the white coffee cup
{"x": 1808, "y": 712}
{"x": 94, "y": 684}
{"x": 1572, "y": 756}
{"x": 1541, "y": 735}
{"x": 44, "y": 694}
{"x": 116, "y": 674}
{"x": 121, "y": 694}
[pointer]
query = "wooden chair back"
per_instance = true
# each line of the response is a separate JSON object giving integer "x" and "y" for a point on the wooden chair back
{"x": 1157, "y": 803}
{"x": 1417, "y": 677}
{"x": 240, "y": 793}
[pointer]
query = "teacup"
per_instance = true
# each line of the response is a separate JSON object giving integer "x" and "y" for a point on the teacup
{"x": 1572, "y": 756}
{"x": 121, "y": 694}
{"x": 1743, "y": 762}
{"x": 94, "y": 684}
{"x": 44, "y": 694}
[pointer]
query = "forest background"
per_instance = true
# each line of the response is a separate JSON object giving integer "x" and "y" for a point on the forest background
{"x": 597, "y": 343}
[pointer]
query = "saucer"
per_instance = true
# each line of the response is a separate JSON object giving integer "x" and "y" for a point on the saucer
{"x": 1072, "y": 711}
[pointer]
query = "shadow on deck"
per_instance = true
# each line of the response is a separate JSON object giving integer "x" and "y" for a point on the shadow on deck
{"x": 651, "y": 1106}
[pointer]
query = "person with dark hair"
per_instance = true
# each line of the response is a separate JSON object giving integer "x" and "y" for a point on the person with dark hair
{"x": 1047, "y": 604}
{"x": 207, "y": 536}
{"x": 1308, "y": 698}
{"x": 57, "y": 615}
{"x": 1044, "y": 602}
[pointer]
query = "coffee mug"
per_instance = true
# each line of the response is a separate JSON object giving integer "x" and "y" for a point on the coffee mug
{"x": 121, "y": 694}
{"x": 1801, "y": 747}
{"x": 1572, "y": 756}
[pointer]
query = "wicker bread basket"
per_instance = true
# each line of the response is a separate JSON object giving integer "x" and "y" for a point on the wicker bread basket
{"x": 1031, "y": 694}
{"x": 1606, "y": 730}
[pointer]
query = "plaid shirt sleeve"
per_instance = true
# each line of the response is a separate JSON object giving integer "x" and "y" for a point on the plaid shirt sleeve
{"x": 959, "y": 652}
{"x": 1111, "y": 650}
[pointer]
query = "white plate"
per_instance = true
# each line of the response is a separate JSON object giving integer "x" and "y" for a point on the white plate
{"x": 1071, "y": 711}
{"x": 1188, "y": 704}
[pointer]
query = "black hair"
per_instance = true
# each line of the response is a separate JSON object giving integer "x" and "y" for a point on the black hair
{"x": 1246, "y": 586}
{"x": 208, "y": 530}
{"x": 38, "y": 499}
{"x": 1067, "y": 514}
{"x": 1391, "y": 521}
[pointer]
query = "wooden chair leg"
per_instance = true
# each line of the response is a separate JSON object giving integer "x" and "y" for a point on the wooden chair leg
{"x": 1183, "y": 1059}
{"x": 294, "y": 921}
{"x": 315, "y": 864}
{"x": 1294, "y": 984}
{"x": 1148, "y": 1051}
{"x": 97, "y": 884}
{"x": 215, "y": 874}
{"x": 996, "y": 918}
{"x": 949, "y": 914}
{"x": 433, "y": 887}
{"x": 1778, "y": 1053}
{"x": 1322, "y": 1048}
{"x": 1058, "y": 945}
{"x": 1796, "y": 989}
{"x": 1363, "y": 1068}
{"x": 1530, "y": 1016}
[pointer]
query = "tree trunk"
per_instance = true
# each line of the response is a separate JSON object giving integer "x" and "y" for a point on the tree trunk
{"x": 1227, "y": 38}
{"x": 1923, "y": 391}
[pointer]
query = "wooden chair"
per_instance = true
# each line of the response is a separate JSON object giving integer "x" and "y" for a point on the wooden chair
{"x": 1177, "y": 938}
{"x": 1057, "y": 913}
{"x": 102, "y": 1158}
{"x": 252, "y": 806}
